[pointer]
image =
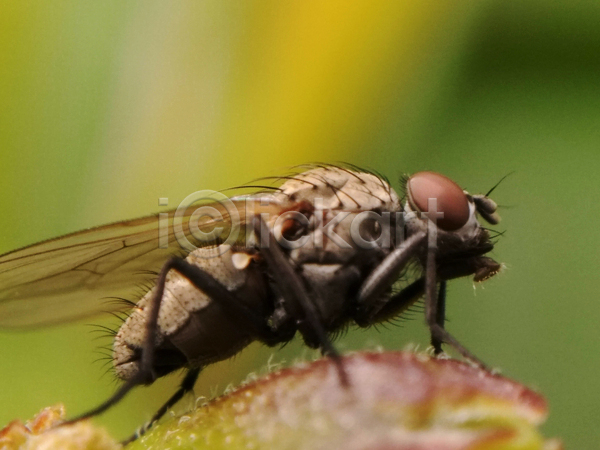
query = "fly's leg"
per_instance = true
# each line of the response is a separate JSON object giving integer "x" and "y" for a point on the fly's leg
{"x": 294, "y": 293}
{"x": 440, "y": 316}
{"x": 438, "y": 333}
{"x": 187, "y": 385}
{"x": 395, "y": 305}
{"x": 370, "y": 308}
{"x": 113, "y": 400}
{"x": 145, "y": 374}
{"x": 236, "y": 310}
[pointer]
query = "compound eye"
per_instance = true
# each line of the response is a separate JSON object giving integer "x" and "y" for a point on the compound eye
{"x": 451, "y": 200}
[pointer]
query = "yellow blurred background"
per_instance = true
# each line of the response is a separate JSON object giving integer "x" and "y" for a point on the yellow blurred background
{"x": 107, "y": 106}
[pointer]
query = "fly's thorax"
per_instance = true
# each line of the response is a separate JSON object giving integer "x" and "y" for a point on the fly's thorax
{"x": 342, "y": 237}
{"x": 333, "y": 213}
{"x": 339, "y": 250}
{"x": 340, "y": 188}
{"x": 183, "y": 307}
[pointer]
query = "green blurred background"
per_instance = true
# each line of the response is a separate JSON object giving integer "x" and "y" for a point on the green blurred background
{"x": 107, "y": 106}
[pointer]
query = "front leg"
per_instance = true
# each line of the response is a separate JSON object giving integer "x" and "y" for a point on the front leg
{"x": 440, "y": 316}
{"x": 371, "y": 309}
{"x": 372, "y": 305}
{"x": 438, "y": 333}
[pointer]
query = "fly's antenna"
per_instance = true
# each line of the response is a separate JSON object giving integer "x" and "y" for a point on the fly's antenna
{"x": 498, "y": 183}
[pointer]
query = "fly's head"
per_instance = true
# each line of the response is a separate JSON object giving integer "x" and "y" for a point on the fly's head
{"x": 462, "y": 241}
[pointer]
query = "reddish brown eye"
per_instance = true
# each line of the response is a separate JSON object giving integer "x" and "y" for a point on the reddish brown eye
{"x": 451, "y": 199}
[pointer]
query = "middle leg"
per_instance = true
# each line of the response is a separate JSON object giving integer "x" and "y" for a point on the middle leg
{"x": 298, "y": 302}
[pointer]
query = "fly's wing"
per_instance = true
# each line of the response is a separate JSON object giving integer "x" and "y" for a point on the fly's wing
{"x": 77, "y": 275}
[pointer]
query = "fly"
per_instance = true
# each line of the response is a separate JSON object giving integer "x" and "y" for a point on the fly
{"x": 323, "y": 250}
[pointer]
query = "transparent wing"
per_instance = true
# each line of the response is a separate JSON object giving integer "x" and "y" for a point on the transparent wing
{"x": 77, "y": 275}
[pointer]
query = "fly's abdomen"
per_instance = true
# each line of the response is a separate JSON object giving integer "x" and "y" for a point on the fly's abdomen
{"x": 193, "y": 329}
